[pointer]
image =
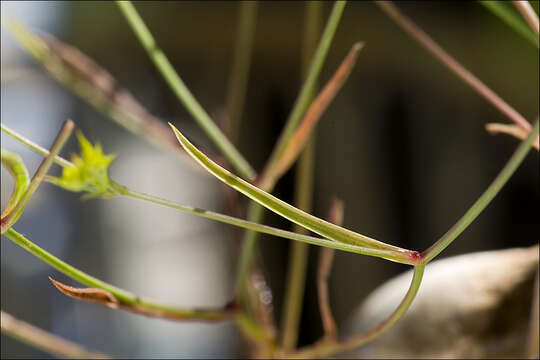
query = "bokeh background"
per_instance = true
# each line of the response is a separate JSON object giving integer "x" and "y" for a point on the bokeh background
{"x": 403, "y": 144}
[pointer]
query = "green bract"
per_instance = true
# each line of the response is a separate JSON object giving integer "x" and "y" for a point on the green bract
{"x": 89, "y": 173}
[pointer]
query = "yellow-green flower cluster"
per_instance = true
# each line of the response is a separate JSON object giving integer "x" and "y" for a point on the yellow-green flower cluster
{"x": 90, "y": 173}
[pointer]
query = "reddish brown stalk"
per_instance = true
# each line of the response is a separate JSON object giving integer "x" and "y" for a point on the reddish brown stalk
{"x": 512, "y": 130}
{"x": 326, "y": 258}
{"x": 528, "y": 13}
{"x": 429, "y": 44}
{"x": 316, "y": 109}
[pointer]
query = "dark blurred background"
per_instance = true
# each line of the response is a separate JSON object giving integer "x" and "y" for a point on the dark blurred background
{"x": 403, "y": 144}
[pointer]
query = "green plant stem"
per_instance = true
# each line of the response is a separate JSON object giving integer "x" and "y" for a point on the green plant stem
{"x": 13, "y": 216}
{"x": 511, "y": 18}
{"x": 303, "y": 100}
{"x": 488, "y": 195}
{"x": 255, "y": 211}
{"x": 40, "y": 150}
{"x": 255, "y": 214}
{"x": 383, "y": 253}
{"x": 123, "y": 296}
{"x": 43, "y": 340}
{"x": 298, "y": 258}
{"x": 324, "y": 349}
{"x": 182, "y": 92}
{"x": 236, "y": 93}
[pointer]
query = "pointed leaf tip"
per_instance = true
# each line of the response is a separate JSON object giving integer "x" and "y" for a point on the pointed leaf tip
{"x": 94, "y": 295}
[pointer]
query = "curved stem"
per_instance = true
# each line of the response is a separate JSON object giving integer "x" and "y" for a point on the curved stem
{"x": 17, "y": 169}
{"x": 181, "y": 91}
{"x": 488, "y": 195}
{"x": 323, "y": 349}
{"x": 123, "y": 296}
{"x": 392, "y": 255}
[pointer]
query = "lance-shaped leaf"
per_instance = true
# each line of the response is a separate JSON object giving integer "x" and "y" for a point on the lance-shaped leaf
{"x": 289, "y": 212}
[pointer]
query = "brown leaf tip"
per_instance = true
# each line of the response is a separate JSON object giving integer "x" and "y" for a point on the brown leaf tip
{"x": 98, "y": 296}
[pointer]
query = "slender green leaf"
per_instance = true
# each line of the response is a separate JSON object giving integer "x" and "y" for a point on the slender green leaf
{"x": 280, "y": 207}
{"x": 507, "y": 13}
{"x": 181, "y": 90}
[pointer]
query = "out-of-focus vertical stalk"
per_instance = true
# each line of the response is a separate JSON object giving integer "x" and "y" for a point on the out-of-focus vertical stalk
{"x": 236, "y": 90}
{"x": 181, "y": 91}
{"x": 299, "y": 252}
{"x": 43, "y": 340}
{"x": 255, "y": 211}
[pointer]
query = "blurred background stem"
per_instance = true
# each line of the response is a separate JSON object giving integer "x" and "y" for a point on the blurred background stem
{"x": 181, "y": 90}
{"x": 41, "y": 339}
{"x": 298, "y": 253}
{"x": 241, "y": 63}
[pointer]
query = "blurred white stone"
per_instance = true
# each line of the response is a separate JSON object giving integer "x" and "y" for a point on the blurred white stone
{"x": 470, "y": 306}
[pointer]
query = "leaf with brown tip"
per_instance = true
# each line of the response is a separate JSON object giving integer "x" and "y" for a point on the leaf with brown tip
{"x": 98, "y": 296}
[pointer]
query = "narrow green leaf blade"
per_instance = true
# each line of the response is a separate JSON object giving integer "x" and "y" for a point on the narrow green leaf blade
{"x": 508, "y": 14}
{"x": 280, "y": 207}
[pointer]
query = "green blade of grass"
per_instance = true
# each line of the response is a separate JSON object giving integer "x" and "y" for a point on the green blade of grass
{"x": 303, "y": 100}
{"x": 508, "y": 14}
{"x": 182, "y": 92}
{"x": 310, "y": 222}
